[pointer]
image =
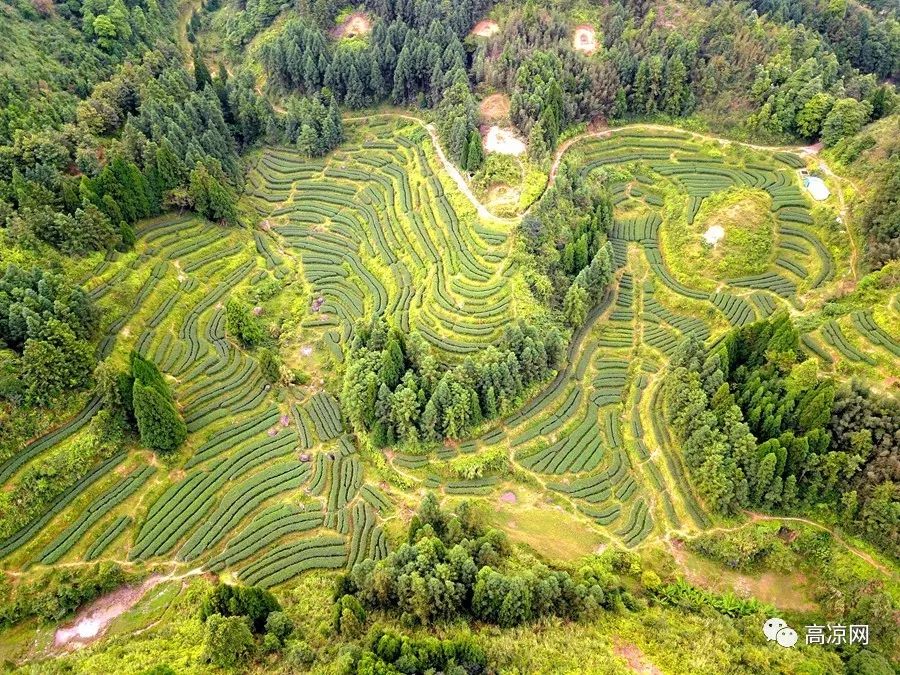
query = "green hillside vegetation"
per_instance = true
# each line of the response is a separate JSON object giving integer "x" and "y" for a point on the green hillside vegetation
{"x": 270, "y": 346}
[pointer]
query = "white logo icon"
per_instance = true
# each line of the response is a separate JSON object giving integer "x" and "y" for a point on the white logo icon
{"x": 777, "y": 630}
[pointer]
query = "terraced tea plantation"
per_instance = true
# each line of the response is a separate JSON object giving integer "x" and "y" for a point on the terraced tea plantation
{"x": 270, "y": 484}
{"x": 380, "y": 232}
{"x": 594, "y": 440}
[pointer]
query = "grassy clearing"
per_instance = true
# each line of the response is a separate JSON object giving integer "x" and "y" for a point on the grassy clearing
{"x": 747, "y": 244}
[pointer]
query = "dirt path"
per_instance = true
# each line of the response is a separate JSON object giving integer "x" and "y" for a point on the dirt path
{"x": 449, "y": 167}
{"x": 93, "y": 619}
{"x": 757, "y": 517}
{"x": 844, "y": 210}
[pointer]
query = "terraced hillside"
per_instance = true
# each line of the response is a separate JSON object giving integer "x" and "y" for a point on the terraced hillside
{"x": 594, "y": 441}
{"x": 270, "y": 484}
{"x": 381, "y": 232}
{"x": 265, "y": 471}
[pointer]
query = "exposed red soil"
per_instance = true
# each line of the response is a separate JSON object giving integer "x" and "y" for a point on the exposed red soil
{"x": 486, "y": 28}
{"x": 494, "y": 107}
{"x": 356, "y": 24}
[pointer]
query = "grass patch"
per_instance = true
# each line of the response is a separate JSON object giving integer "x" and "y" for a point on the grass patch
{"x": 747, "y": 237}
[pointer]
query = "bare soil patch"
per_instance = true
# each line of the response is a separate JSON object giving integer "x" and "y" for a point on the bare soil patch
{"x": 486, "y": 28}
{"x": 635, "y": 659}
{"x": 503, "y": 141}
{"x": 494, "y": 108}
{"x": 502, "y": 195}
{"x": 92, "y": 621}
{"x": 355, "y": 25}
{"x": 585, "y": 39}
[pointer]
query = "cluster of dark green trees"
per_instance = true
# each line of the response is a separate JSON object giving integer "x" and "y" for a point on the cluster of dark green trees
{"x": 566, "y": 237}
{"x": 234, "y": 616}
{"x": 454, "y": 567}
{"x": 48, "y": 323}
{"x": 868, "y": 41}
{"x": 395, "y": 390}
{"x": 313, "y": 124}
{"x": 142, "y": 400}
{"x": 145, "y": 140}
{"x": 881, "y": 219}
{"x": 413, "y": 54}
{"x": 760, "y": 428}
{"x": 158, "y": 421}
{"x": 389, "y": 652}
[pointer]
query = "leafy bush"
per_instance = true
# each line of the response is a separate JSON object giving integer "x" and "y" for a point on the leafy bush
{"x": 256, "y": 604}
{"x": 241, "y": 324}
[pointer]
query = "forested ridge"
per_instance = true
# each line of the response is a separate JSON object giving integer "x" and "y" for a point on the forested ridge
{"x": 449, "y": 337}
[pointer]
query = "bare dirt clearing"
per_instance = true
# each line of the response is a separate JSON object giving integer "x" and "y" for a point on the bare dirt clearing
{"x": 486, "y": 28}
{"x": 93, "y": 619}
{"x": 494, "y": 108}
{"x": 585, "y": 39}
{"x": 355, "y": 25}
{"x": 503, "y": 141}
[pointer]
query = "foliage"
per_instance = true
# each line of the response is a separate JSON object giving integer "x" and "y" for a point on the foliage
{"x": 881, "y": 219}
{"x": 242, "y": 324}
{"x": 227, "y": 642}
{"x": 57, "y": 592}
{"x": 846, "y": 117}
{"x": 454, "y": 567}
{"x": 566, "y": 239}
{"x": 395, "y": 389}
{"x": 256, "y": 604}
{"x": 756, "y": 431}
{"x": 211, "y": 195}
{"x": 390, "y": 652}
{"x": 40, "y": 483}
{"x": 158, "y": 420}
{"x": 749, "y": 549}
{"x": 30, "y": 299}
{"x": 314, "y": 124}
{"x": 54, "y": 361}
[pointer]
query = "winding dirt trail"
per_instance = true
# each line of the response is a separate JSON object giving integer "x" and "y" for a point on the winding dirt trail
{"x": 757, "y": 517}
{"x": 449, "y": 166}
{"x": 838, "y": 182}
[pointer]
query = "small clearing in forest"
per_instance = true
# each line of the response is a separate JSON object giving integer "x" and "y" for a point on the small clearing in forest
{"x": 503, "y": 141}
{"x": 486, "y": 28}
{"x": 585, "y": 39}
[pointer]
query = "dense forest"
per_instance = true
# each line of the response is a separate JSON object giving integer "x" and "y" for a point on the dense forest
{"x": 761, "y": 429}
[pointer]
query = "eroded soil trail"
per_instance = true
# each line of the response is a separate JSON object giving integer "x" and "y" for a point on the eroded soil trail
{"x": 93, "y": 619}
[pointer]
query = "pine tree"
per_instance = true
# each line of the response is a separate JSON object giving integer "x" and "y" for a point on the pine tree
{"x": 475, "y": 154}
{"x": 202, "y": 75}
{"x": 537, "y": 143}
{"x": 159, "y": 423}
